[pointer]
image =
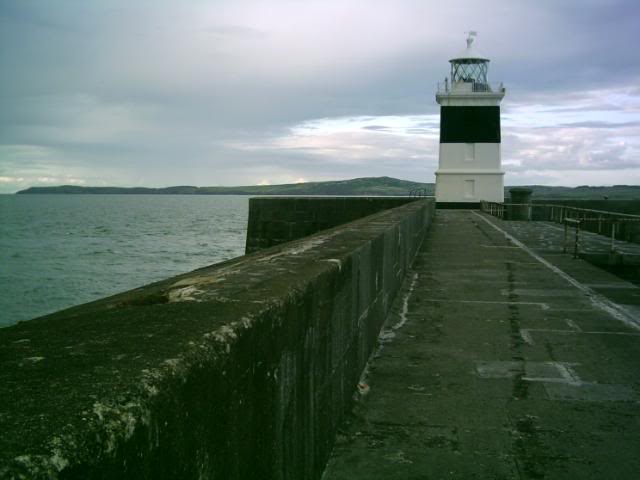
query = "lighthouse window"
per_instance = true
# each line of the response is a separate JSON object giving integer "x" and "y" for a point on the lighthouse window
{"x": 469, "y": 71}
{"x": 469, "y": 188}
{"x": 469, "y": 152}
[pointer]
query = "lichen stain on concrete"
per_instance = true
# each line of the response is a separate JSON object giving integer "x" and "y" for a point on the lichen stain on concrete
{"x": 119, "y": 422}
{"x": 190, "y": 289}
{"x": 185, "y": 294}
{"x": 203, "y": 464}
{"x": 199, "y": 288}
{"x": 198, "y": 280}
{"x": 172, "y": 363}
{"x": 40, "y": 465}
{"x": 228, "y": 334}
{"x": 33, "y": 359}
{"x": 298, "y": 248}
{"x": 335, "y": 261}
{"x": 46, "y": 466}
{"x": 57, "y": 459}
{"x": 224, "y": 334}
{"x": 178, "y": 367}
{"x": 363, "y": 389}
{"x": 150, "y": 379}
{"x": 398, "y": 457}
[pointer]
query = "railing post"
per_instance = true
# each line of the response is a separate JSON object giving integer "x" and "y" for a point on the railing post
{"x": 575, "y": 245}
{"x": 613, "y": 236}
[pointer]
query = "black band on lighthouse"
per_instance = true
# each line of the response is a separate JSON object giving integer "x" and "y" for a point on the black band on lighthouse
{"x": 469, "y": 124}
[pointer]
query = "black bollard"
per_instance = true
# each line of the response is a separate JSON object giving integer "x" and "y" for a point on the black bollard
{"x": 519, "y": 206}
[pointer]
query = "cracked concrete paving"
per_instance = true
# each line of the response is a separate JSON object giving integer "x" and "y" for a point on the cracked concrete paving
{"x": 503, "y": 369}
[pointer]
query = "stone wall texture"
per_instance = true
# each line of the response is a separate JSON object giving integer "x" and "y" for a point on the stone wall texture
{"x": 240, "y": 370}
{"x": 276, "y": 220}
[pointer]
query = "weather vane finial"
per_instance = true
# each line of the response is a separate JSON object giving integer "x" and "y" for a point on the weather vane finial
{"x": 470, "y": 35}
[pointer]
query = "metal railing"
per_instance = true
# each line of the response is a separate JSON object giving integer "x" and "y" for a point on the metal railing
{"x": 570, "y": 222}
{"x": 617, "y": 226}
{"x": 419, "y": 192}
{"x": 445, "y": 88}
{"x": 493, "y": 208}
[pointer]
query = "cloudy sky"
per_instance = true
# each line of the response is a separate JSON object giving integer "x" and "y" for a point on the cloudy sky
{"x": 237, "y": 92}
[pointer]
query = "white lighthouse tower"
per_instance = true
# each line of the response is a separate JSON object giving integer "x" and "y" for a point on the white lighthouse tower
{"x": 469, "y": 167}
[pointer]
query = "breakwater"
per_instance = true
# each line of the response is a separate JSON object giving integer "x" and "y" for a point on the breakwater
{"x": 276, "y": 220}
{"x": 239, "y": 370}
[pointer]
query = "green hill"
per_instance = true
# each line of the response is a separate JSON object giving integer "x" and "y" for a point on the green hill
{"x": 356, "y": 186}
{"x": 584, "y": 192}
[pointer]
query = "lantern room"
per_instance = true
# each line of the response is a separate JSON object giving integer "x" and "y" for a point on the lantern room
{"x": 469, "y": 69}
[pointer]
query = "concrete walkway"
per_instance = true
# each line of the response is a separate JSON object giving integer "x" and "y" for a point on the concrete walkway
{"x": 499, "y": 363}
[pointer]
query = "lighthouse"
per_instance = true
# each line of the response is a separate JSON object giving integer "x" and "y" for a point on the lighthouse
{"x": 469, "y": 165}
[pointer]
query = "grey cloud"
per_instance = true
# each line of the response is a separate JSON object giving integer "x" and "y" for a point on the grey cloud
{"x": 238, "y": 31}
{"x": 563, "y": 149}
{"x": 596, "y": 124}
{"x": 27, "y": 13}
{"x": 421, "y": 131}
{"x": 377, "y": 128}
{"x": 122, "y": 89}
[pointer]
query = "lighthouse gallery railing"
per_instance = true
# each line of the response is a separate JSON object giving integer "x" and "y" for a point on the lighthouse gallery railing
{"x": 471, "y": 87}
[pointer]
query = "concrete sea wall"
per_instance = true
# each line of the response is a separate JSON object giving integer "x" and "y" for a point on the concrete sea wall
{"x": 276, "y": 220}
{"x": 239, "y": 370}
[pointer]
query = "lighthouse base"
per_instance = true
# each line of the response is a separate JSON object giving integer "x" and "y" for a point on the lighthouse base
{"x": 469, "y": 187}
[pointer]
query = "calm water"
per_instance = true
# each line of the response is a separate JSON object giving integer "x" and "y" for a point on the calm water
{"x": 57, "y": 251}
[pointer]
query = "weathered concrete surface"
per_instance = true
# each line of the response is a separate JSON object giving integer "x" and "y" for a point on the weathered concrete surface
{"x": 499, "y": 367}
{"x": 276, "y": 220}
{"x": 240, "y": 370}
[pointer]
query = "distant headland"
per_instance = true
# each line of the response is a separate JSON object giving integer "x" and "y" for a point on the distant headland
{"x": 357, "y": 186}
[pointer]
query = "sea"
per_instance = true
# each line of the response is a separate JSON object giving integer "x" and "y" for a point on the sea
{"x": 57, "y": 251}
